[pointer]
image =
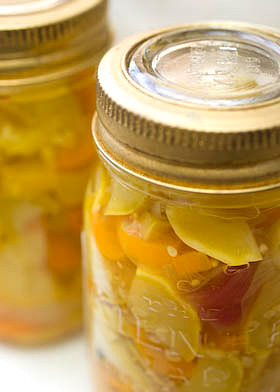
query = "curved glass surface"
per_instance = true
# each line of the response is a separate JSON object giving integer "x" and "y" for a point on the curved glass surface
{"x": 208, "y": 67}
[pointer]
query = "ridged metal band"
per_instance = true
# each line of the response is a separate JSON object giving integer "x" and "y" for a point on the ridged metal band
{"x": 182, "y": 144}
{"x": 218, "y": 148}
{"x": 34, "y": 36}
{"x": 202, "y": 141}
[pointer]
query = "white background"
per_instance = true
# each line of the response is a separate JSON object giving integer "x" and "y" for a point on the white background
{"x": 63, "y": 367}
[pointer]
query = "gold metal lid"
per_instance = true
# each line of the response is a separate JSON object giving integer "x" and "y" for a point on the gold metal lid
{"x": 40, "y": 37}
{"x": 194, "y": 107}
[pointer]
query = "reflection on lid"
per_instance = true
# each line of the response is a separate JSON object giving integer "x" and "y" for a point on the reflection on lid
{"x": 208, "y": 67}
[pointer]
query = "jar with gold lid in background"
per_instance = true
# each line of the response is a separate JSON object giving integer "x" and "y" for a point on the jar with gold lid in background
{"x": 49, "y": 53}
{"x": 182, "y": 215}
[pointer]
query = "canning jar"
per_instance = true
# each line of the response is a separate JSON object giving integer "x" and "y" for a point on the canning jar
{"x": 182, "y": 214}
{"x": 49, "y": 53}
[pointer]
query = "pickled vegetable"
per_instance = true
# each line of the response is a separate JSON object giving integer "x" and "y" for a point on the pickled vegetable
{"x": 123, "y": 201}
{"x": 230, "y": 241}
{"x": 186, "y": 299}
{"x": 160, "y": 311}
{"x": 215, "y": 301}
{"x": 165, "y": 362}
{"x": 112, "y": 279}
{"x": 149, "y": 253}
{"x": 263, "y": 325}
{"x": 46, "y": 155}
{"x": 216, "y": 372}
{"x": 119, "y": 353}
{"x": 100, "y": 188}
{"x": 106, "y": 236}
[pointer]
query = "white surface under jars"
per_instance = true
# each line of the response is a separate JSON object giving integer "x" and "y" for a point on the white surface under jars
{"x": 63, "y": 367}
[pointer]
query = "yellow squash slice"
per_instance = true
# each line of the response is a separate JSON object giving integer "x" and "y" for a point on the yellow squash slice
{"x": 124, "y": 356}
{"x": 152, "y": 226}
{"x": 215, "y": 372}
{"x": 100, "y": 187}
{"x": 230, "y": 241}
{"x": 255, "y": 365}
{"x": 123, "y": 200}
{"x": 262, "y": 328}
{"x": 160, "y": 311}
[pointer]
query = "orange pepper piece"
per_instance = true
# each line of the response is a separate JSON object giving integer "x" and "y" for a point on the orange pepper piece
{"x": 106, "y": 236}
{"x": 11, "y": 328}
{"x": 74, "y": 219}
{"x": 78, "y": 156}
{"x": 231, "y": 342}
{"x": 85, "y": 89}
{"x": 149, "y": 253}
{"x": 107, "y": 378}
{"x": 227, "y": 341}
{"x": 160, "y": 364}
{"x": 158, "y": 360}
{"x": 64, "y": 254}
{"x": 193, "y": 262}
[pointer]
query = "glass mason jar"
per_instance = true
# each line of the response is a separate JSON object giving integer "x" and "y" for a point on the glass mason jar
{"x": 49, "y": 53}
{"x": 182, "y": 215}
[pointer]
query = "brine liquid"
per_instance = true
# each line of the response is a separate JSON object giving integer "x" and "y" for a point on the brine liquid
{"x": 180, "y": 298}
{"x": 46, "y": 153}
